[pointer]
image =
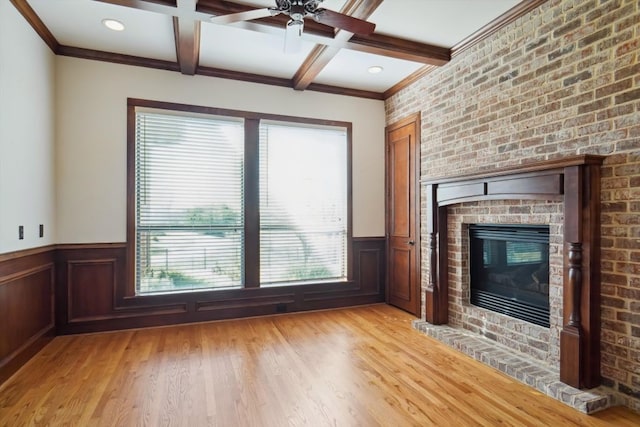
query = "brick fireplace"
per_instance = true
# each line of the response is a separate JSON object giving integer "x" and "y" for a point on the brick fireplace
{"x": 561, "y": 193}
{"x": 538, "y": 342}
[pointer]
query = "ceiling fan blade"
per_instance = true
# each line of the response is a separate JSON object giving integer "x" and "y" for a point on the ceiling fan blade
{"x": 345, "y": 22}
{"x": 242, "y": 16}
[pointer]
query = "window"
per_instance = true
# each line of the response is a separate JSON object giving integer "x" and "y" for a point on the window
{"x": 189, "y": 204}
{"x": 303, "y": 203}
{"x": 225, "y": 200}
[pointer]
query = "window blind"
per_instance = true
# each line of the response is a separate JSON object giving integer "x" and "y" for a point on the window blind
{"x": 189, "y": 202}
{"x": 303, "y": 203}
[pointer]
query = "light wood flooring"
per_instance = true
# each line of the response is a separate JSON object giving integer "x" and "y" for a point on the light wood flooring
{"x": 358, "y": 366}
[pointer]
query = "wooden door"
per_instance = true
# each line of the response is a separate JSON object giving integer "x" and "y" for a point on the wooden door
{"x": 403, "y": 210}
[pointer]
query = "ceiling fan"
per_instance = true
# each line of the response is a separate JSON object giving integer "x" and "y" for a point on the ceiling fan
{"x": 298, "y": 10}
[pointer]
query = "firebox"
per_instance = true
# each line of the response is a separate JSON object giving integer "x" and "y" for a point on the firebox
{"x": 509, "y": 266}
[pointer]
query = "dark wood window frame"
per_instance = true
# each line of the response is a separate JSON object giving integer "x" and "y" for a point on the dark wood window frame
{"x": 127, "y": 294}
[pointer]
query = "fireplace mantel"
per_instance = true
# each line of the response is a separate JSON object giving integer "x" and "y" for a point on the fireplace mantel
{"x": 574, "y": 181}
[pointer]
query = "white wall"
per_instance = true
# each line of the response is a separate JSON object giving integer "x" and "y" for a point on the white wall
{"x": 91, "y": 138}
{"x": 27, "y": 178}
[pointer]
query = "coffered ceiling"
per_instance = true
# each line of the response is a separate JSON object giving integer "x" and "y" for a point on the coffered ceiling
{"x": 410, "y": 37}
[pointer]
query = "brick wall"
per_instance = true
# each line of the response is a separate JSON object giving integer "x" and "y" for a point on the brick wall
{"x": 561, "y": 80}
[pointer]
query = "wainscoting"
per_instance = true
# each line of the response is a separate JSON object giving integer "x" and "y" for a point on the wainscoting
{"x": 26, "y": 306}
{"x": 89, "y": 285}
{"x": 91, "y": 292}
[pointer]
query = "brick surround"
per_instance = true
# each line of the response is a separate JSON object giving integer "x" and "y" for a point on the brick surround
{"x": 562, "y": 80}
{"x": 535, "y": 341}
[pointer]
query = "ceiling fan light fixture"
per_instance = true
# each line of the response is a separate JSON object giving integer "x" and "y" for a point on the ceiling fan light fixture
{"x": 113, "y": 24}
{"x": 293, "y": 35}
{"x": 297, "y": 25}
{"x": 375, "y": 69}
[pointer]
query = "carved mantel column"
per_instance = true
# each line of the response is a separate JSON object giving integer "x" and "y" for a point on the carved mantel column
{"x": 575, "y": 181}
{"x": 436, "y": 306}
{"x": 579, "y": 347}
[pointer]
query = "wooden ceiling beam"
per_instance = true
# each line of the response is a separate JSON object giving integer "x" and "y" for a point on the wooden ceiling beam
{"x": 313, "y": 64}
{"x": 321, "y": 55}
{"x": 187, "y": 34}
{"x": 394, "y": 47}
{"x": 186, "y": 26}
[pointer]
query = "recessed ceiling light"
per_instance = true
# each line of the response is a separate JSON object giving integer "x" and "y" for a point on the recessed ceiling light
{"x": 375, "y": 69}
{"x": 113, "y": 24}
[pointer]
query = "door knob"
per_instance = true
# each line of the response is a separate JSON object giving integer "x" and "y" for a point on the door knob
{"x": 411, "y": 242}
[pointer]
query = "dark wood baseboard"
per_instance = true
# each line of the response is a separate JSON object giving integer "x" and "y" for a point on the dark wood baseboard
{"x": 26, "y": 306}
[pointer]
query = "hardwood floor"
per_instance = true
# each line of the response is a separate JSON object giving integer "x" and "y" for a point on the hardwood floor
{"x": 358, "y": 366}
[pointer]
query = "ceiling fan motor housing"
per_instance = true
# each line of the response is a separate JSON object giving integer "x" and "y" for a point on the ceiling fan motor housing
{"x": 297, "y": 10}
{"x": 296, "y": 7}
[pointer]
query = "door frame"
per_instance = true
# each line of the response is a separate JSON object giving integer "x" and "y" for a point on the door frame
{"x": 415, "y": 120}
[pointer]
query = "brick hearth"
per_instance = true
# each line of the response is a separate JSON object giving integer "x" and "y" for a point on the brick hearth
{"x": 517, "y": 365}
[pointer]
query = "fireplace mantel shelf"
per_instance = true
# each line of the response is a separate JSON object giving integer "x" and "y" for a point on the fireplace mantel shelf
{"x": 582, "y": 159}
{"x": 574, "y": 181}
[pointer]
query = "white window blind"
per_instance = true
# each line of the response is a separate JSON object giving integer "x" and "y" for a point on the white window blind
{"x": 189, "y": 203}
{"x": 303, "y": 203}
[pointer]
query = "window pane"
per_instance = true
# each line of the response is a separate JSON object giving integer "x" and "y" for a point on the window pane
{"x": 189, "y": 203}
{"x": 303, "y": 203}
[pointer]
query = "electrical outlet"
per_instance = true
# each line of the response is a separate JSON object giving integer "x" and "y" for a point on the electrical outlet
{"x": 41, "y": 230}
{"x": 20, "y": 232}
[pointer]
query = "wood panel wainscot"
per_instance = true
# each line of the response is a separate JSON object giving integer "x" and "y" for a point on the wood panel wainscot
{"x": 91, "y": 292}
{"x": 575, "y": 181}
{"x": 26, "y": 306}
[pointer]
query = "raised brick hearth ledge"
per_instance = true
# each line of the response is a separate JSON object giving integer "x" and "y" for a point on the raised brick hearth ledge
{"x": 517, "y": 365}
